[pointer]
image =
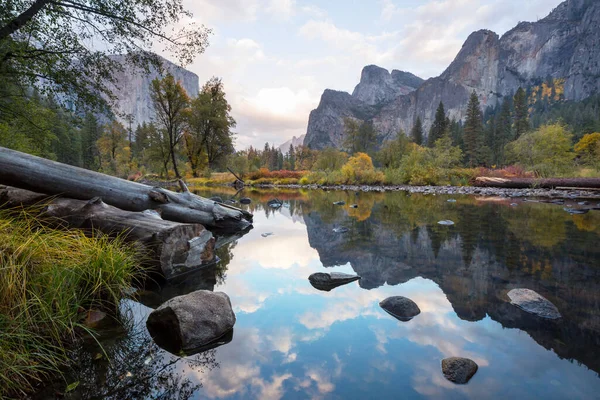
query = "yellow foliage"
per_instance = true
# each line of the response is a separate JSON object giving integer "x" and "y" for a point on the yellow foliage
{"x": 360, "y": 169}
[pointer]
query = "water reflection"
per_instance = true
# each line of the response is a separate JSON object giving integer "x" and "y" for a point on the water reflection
{"x": 293, "y": 341}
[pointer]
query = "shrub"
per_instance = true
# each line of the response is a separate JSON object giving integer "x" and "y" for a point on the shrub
{"x": 360, "y": 170}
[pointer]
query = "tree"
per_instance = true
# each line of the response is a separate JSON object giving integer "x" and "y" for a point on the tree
{"x": 113, "y": 149}
{"x": 170, "y": 101}
{"x": 503, "y": 133}
{"x": 588, "y": 149}
{"x": 444, "y": 154}
{"x": 330, "y": 159}
{"x": 416, "y": 132}
{"x": 473, "y": 130}
{"x": 392, "y": 151}
{"x": 547, "y": 150}
{"x": 45, "y": 44}
{"x": 359, "y": 137}
{"x": 438, "y": 129}
{"x": 521, "y": 114}
{"x": 90, "y": 133}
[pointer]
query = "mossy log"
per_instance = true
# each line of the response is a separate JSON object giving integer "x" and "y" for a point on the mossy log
{"x": 49, "y": 177}
{"x": 173, "y": 247}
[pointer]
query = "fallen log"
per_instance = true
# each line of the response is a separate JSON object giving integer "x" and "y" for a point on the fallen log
{"x": 175, "y": 248}
{"x": 45, "y": 176}
{"x": 527, "y": 183}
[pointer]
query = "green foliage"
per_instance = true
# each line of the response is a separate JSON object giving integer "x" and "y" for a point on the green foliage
{"x": 521, "y": 115}
{"x": 473, "y": 137}
{"x": 416, "y": 132}
{"x": 330, "y": 159}
{"x": 359, "y": 137}
{"x": 547, "y": 151}
{"x": 360, "y": 169}
{"x": 392, "y": 151}
{"x": 47, "y": 277}
{"x": 440, "y": 125}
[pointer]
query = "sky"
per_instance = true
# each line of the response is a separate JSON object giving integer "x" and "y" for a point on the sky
{"x": 277, "y": 56}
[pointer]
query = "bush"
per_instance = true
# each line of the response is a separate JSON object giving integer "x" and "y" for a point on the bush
{"x": 360, "y": 170}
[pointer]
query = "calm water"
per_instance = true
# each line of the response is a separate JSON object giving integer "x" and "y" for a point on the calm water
{"x": 293, "y": 341}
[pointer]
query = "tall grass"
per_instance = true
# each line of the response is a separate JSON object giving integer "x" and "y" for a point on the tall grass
{"x": 48, "y": 279}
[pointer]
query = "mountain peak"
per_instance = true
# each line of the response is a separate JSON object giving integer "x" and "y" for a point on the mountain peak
{"x": 377, "y": 85}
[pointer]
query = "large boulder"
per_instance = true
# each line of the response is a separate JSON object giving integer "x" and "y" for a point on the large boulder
{"x": 533, "y": 303}
{"x": 458, "y": 369}
{"x": 400, "y": 307}
{"x": 192, "y": 322}
{"x": 327, "y": 281}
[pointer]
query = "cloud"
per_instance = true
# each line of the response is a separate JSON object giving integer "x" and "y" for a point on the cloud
{"x": 282, "y": 9}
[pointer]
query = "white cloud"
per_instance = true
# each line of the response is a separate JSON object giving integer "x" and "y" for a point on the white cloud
{"x": 282, "y": 9}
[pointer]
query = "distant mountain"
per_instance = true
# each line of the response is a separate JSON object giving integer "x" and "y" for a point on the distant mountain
{"x": 564, "y": 46}
{"x": 133, "y": 89}
{"x": 294, "y": 141}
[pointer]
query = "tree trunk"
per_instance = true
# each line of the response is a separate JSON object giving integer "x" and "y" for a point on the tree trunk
{"x": 526, "y": 183}
{"x": 173, "y": 248}
{"x": 40, "y": 175}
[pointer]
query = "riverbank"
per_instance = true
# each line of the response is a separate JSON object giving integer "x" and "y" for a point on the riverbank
{"x": 55, "y": 285}
{"x": 446, "y": 190}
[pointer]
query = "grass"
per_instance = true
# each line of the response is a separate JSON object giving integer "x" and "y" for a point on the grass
{"x": 49, "y": 278}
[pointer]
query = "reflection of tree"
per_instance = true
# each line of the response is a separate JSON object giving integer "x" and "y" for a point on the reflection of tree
{"x": 136, "y": 368}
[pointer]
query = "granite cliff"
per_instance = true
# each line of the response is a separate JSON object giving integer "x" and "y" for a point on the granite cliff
{"x": 564, "y": 46}
{"x": 133, "y": 89}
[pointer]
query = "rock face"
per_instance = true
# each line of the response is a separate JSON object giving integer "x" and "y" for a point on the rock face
{"x": 191, "y": 322}
{"x": 400, "y": 307}
{"x": 294, "y": 141}
{"x": 378, "y": 86}
{"x": 328, "y": 281}
{"x": 133, "y": 89}
{"x": 458, "y": 370}
{"x": 533, "y": 303}
{"x": 565, "y": 46}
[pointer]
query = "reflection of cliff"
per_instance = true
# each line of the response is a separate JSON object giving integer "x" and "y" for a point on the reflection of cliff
{"x": 490, "y": 250}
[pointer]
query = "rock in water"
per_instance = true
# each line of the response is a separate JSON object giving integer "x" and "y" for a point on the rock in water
{"x": 354, "y": 206}
{"x": 446, "y": 222}
{"x": 533, "y": 303}
{"x": 458, "y": 369}
{"x": 245, "y": 200}
{"x": 191, "y": 322}
{"x": 266, "y": 234}
{"x": 274, "y": 203}
{"x": 575, "y": 211}
{"x": 341, "y": 229}
{"x": 400, "y": 307}
{"x": 339, "y": 203}
{"x": 451, "y": 200}
{"x": 328, "y": 281}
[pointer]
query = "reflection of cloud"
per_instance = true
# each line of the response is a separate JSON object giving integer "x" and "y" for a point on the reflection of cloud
{"x": 273, "y": 389}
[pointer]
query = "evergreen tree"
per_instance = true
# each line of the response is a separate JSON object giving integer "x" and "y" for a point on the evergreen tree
{"x": 90, "y": 133}
{"x": 521, "y": 114}
{"x": 473, "y": 131}
{"x": 438, "y": 129}
{"x": 503, "y": 133}
{"x": 417, "y": 132}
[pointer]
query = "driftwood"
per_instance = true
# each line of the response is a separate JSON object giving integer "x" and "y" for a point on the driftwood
{"x": 526, "y": 183}
{"x": 173, "y": 247}
{"x": 44, "y": 176}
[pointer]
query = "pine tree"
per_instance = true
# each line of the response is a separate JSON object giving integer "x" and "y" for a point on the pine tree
{"x": 521, "y": 115}
{"x": 90, "y": 133}
{"x": 417, "y": 132}
{"x": 438, "y": 129}
{"x": 473, "y": 131}
{"x": 503, "y": 133}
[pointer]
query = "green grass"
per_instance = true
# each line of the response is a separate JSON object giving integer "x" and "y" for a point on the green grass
{"x": 49, "y": 278}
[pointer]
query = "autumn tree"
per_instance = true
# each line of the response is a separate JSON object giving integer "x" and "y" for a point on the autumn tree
{"x": 439, "y": 127}
{"x": 392, "y": 151}
{"x": 170, "y": 101}
{"x": 416, "y": 132}
{"x": 588, "y": 149}
{"x": 359, "y": 137}
{"x": 473, "y": 130}
{"x": 113, "y": 149}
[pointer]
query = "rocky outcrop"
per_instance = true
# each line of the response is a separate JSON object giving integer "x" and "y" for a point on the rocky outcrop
{"x": 564, "y": 46}
{"x": 378, "y": 86}
{"x": 132, "y": 90}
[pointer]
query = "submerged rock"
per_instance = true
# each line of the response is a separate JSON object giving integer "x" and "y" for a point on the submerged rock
{"x": 354, "y": 206}
{"x": 575, "y": 211}
{"x": 198, "y": 320}
{"x": 96, "y": 319}
{"x": 341, "y": 229}
{"x": 266, "y": 234}
{"x": 400, "y": 307}
{"x": 446, "y": 222}
{"x": 533, "y": 303}
{"x": 451, "y": 200}
{"x": 339, "y": 203}
{"x": 327, "y": 281}
{"x": 245, "y": 200}
{"x": 274, "y": 203}
{"x": 458, "y": 370}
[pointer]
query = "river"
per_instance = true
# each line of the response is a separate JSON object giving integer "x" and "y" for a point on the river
{"x": 293, "y": 341}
